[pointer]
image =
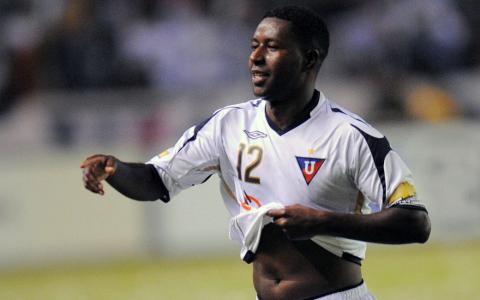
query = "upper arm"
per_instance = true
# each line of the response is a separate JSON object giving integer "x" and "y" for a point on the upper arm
{"x": 380, "y": 174}
{"x": 193, "y": 159}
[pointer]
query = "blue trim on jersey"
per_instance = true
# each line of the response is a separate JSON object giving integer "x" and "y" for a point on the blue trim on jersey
{"x": 379, "y": 147}
{"x": 256, "y": 103}
{"x": 338, "y": 110}
{"x": 200, "y": 125}
{"x": 205, "y": 180}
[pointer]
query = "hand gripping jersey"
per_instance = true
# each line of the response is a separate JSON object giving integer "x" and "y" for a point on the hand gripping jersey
{"x": 330, "y": 159}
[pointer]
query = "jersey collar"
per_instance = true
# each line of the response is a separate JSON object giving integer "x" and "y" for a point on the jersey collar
{"x": 301, "y": 117}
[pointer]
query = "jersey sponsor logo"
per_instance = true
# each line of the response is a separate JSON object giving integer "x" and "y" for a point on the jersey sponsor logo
{"x": 309, "y": 167}
{"x": 255, "y": 134}
{"x": 249, "y": 202}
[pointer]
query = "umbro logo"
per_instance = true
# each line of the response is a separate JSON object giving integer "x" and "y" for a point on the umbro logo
{"x": 255, "y": 134}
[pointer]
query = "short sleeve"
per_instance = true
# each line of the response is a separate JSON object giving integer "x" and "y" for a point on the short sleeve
{"x": 193, "y": 159}
{"x": 401, "y": 190}
{"x": 379, "y": 173}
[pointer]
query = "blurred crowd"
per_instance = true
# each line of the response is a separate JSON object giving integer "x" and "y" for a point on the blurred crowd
{"x": 181, "y": 44}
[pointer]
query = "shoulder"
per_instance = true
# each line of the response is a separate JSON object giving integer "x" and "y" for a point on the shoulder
{"x": 361, "y": 138}
{"x": 231, "y": 112}
{"x": 250, "y": 105}
{"x": 349, "y": 123}
{"x": 229, "y": 115}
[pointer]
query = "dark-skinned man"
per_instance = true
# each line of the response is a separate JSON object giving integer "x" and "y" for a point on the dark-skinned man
{"x": 306, "y": 182}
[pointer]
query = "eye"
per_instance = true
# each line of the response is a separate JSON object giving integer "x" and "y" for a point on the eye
{"x": 272, "y": 47}
{"x": 254, "y": 46}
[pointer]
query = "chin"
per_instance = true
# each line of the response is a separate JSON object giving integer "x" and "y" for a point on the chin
{"x": 259, "y": 92}
{"x": 265, "y": 95}
{"x": 262, "y": 92}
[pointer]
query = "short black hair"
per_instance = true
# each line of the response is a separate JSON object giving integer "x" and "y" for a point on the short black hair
{"x": 308, "y": 26}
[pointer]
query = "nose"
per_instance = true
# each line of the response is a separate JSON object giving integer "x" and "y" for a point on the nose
{"x": 257, "y": 57}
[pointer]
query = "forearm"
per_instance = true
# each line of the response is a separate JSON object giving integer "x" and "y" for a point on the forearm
{"x": 390, "y": 226}
{"x": 138, "y": 181}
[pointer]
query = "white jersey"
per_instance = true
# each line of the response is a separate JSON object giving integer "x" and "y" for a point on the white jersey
{"x": 330, "y": 159}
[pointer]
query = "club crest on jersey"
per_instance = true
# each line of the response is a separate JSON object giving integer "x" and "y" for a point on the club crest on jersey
{"x": 309, "y": 167}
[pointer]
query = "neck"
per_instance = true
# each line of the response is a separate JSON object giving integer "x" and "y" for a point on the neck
{"x": 283, "y": 112}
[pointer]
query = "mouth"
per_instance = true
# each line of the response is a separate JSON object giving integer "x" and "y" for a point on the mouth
{"x": 259, "y": 77}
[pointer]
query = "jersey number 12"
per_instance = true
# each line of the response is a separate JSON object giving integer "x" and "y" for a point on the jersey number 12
{"x": 252, "y": 150}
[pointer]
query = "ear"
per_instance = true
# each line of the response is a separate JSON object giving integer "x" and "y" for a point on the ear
{"x": 312, "y": 58}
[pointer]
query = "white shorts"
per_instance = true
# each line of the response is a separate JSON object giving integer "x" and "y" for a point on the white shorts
{"x": 357, "y": 293}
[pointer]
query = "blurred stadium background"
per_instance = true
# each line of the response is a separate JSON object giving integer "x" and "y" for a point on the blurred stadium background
{"x": 127, "y": 77}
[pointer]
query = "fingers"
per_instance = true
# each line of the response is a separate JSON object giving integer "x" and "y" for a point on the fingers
{"x": 100, "y": 189}
{"x": 95, "y": 169}
{"x": 99, "y": 165}
{"x": 281, "y": 222}
{"x": 285, "y": 225}
{"x": 276, "y": 213}
{"x": 291, "y": 230}
{"x": 109, "y": 170}
{"x": 92, "y": 160}
{"x": 110, "y": 165}
{"x": 279, "y": 216}
{"x": 296, "y": 221}
{"x": 91, "y": 183}
{"x": 286, "y": 219}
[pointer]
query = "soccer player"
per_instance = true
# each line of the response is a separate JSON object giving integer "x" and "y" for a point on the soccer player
{"x": 307, "y": 183}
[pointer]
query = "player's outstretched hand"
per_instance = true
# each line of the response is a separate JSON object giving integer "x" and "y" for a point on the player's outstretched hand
{"x": 97, "y": 168}
{"x": 298, "y": 222}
